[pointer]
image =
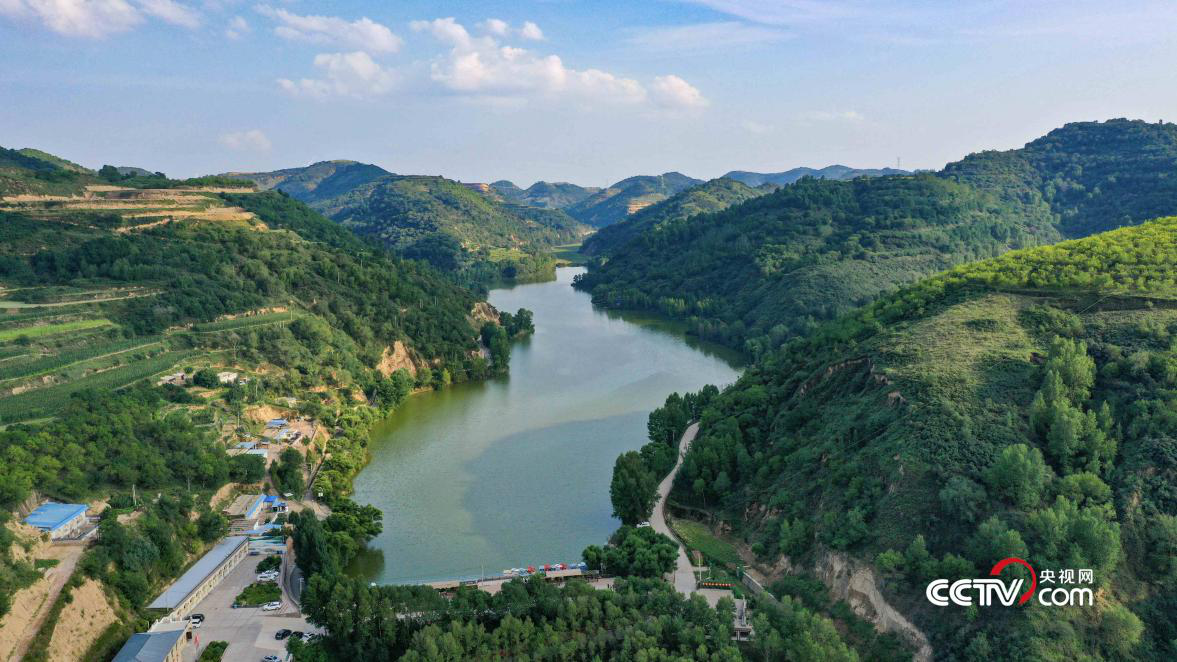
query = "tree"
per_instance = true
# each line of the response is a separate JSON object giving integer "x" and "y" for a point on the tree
{"x": 287, "y": 472}
{"x": 206, "y": 377}
{"x": 1019, "y": 475}
{"x": 962, "y": 498}
{"x": 633, "y": 489}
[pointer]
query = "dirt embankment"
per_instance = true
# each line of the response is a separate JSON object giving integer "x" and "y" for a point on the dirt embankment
{"x": 81, "y": 622}
{"x": 854, "y": 582}
{"x": 263, "y": 413}
{"x": 31, "y": 605}
{"x": 484, "y": 312}
{"x": 396, "y": 357}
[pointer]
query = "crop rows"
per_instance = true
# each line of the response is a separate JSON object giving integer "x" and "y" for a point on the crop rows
{"x": 42, "y": 402}
{"x": 38, "y": 365}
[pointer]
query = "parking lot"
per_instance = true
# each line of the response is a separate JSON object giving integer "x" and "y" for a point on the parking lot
{"x": 249, "y": 630}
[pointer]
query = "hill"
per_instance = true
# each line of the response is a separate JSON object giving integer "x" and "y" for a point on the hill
{"x": 787, "y": 177}
{"x": 549, "y": 195}
{"x": 662, "y": 217}
{"x": 452, "y": 226}
{"x": 1012, "y": 407}
{"x": 771, "y": 268}
{"x": 316, "y": 182}
{"x": 628, "y": 196}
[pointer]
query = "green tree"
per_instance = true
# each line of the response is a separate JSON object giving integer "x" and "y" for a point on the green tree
{"x": 1019, "y": 475}
{"x": 633, "y": 489}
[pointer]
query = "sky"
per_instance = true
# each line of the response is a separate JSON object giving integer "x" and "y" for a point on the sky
{"x": 587, "y": 92}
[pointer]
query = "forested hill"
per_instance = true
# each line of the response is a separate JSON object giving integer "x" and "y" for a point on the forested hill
{"x": 1020, "y": 406}
{"x": 112, "y": 264}
{"x": 666, "y": 216}
{"x": 789, "y": 176}
{"x": 627, "y": 196}
{"x": 1094, "y": 176}
{"x": 450, "y": 225}
{"x": 771, "y": 268}
{"x": 550, "y": 195}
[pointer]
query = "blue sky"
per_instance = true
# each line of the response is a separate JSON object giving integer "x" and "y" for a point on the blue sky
{"x": 588, "y": 92}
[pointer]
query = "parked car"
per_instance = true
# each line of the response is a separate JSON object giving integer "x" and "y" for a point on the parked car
{"x": 271, "y": 658}
{"x": 298, "y": 634}
{"x": 197, "y": 620}
{"x": 282, "y": 634}
{"x": 272, "y": 606}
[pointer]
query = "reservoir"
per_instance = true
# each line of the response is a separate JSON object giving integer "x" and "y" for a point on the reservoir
{"x": 515, "y": 471}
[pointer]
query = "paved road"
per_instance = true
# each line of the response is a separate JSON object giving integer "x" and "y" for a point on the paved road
{"x": 684, "y": 575}
{"x": 249, "y": 631}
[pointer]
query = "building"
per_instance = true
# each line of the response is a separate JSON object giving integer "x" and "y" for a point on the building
{"x": 176, "y": 379}
{"x": 245, "y": 507}
{"x": 59, "y": 520}
{"x": 227, "y": 377}
{"x": 156, "y": 646}
{"x": 204, "y": 575}
{"x": 275, "y": 423}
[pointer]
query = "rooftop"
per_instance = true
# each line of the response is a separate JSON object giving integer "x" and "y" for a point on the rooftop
{"x": 149, "y": 646}
{"x": 195, "y": 576}
{"x": 51, "y": 516}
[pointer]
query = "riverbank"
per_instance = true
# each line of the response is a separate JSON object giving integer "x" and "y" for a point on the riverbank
{"x": 456, "y": 471}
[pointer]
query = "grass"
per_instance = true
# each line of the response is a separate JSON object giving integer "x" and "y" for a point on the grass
{"x": 243, "y": 322}
{"x": 213, "y": 652}
{"x": 49, "y": 329}
{"x": 569, "y": 255}
{"x": 258, "y": 593}
{"x": 696, "y": 536}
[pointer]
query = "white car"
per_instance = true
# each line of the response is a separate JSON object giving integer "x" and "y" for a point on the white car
{"x": 267, "y": 577}
{"x": 272, "y": 606}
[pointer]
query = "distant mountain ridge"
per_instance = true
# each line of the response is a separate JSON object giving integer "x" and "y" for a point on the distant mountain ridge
{"x": 839, "y": 172}
{"x": 772, "y": 268}
{"x": 447, "y": 223}
{"x": 549, "y": 195}
{"x": 632, "y": 194}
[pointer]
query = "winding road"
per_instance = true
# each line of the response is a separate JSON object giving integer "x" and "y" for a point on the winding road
{"x": 684, "y": 576}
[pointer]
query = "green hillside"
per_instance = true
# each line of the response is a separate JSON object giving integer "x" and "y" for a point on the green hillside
{"x": 789, "y": 176}
{"x": 549, "y": 195}
{"x": 616, "y": 202}
{"x": 453, "y": 227}
{"x": 664, "y": 217}
{"x": 318, "y": 181}
{"x": 771, "y": 268}
{"x": 1020, "y": 406}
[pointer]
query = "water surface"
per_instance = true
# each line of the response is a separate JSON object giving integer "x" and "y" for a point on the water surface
{"x": 514, "y": 472}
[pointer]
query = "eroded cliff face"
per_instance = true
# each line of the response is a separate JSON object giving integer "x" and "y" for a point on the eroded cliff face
{"x": 396, "y": 357}
{"x": 484, "y": 312}
{"x": 854, "y": 582}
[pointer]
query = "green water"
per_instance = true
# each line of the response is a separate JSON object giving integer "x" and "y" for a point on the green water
{"x": 515, "y": 472}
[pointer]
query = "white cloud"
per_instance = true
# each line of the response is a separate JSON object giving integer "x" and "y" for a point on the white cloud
{"x": 253, "y": 140}
{"x": 501, "y": 28}
{"x": 353, "y": 74}
{"x": 172, "y": 12}
{"x": 705, "y": 36}
{"x": 496, "y": 27}
{"x": 833, "y": 116}
{"x": 76, "y": 18}
{"x": 483, "y": 67}
{"x": 363, "y": 34}
{"x": 673, "y": 92}
{"x": 531, "y": 31}
{"x": 238, "y": 28}
{"x": 98, "y": 18}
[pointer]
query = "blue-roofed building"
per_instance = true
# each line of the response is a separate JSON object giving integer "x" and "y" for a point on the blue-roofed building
{"x": 204, "y": 575}
{"x": 59, "y": 520}
{"x": 274, "y": 423}
{"x": 246, "y": 445}
{"x": 161, "y": 646}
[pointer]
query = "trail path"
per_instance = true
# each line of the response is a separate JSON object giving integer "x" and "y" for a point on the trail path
{"x": 684, "y": 575}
